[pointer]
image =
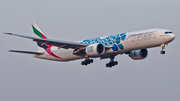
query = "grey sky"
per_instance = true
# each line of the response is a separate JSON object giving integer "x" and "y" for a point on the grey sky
{"x": 24, "y": 78}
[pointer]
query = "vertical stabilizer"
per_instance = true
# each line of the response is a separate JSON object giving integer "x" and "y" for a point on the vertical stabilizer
{"x": 38, "y": 33}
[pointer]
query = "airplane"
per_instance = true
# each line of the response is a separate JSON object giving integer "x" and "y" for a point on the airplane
{"x": 134, "y": 44}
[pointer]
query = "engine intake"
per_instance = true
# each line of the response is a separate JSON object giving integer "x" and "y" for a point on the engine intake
{"x": 95, "y": 49}
{"x": 138, "y": 54}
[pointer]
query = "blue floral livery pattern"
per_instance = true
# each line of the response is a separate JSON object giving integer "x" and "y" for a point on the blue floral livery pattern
{"x": 113, "y": 40}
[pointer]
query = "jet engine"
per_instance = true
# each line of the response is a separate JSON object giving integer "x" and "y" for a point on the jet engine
{"x": 138, "y": 54}
{"x": 95, "y": 49}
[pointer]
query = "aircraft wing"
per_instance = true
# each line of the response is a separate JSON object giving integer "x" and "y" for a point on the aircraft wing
{"x": 57, "y": 43}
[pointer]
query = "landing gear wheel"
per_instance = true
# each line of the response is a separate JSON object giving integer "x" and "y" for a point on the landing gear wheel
{"x": 91, "y": 60}
{"x": 107, "y": 64}
{"x": 86, "y": 62}
{"x": 111, "y": 63}
{"x": 115, "y": 62}
{"x": 162, "y": 52}
{"x": 82, "y": 63}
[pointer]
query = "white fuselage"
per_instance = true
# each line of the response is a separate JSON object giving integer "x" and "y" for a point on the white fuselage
{"x": 128, "y": 42}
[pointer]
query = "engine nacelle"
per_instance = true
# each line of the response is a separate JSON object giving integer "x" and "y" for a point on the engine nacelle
{"x": 138, "y": 54}
{"x": 95, "y": 49}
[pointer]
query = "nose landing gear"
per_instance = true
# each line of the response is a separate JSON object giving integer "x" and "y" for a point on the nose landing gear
{"x": 163, "y": 47}
{"x": 162, "y": 52}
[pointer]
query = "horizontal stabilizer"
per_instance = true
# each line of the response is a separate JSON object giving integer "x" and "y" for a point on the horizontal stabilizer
{"x": 26, "y": 52}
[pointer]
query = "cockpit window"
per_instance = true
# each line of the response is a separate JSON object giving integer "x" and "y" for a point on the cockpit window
{"x": 167, "y": 32}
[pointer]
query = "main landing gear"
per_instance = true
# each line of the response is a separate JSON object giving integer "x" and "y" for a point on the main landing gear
{"x": 163, "y": 47}
{"x": 86, "y": 62}
{"x": 112, "y": 62}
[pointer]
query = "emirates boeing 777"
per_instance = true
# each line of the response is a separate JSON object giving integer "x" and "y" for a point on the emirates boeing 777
{"x": 134, "y": 44}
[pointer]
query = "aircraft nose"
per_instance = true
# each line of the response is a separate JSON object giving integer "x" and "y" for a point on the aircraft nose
{"x": 173, "y": 36}
{"x": 170, "y": 37}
